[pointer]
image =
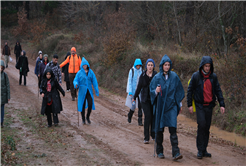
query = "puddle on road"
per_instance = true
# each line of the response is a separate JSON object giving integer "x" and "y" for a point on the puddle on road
{"x": 229, "y": 136}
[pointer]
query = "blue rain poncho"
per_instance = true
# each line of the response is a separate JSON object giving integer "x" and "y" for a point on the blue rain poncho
{"x": 167, "y": 103}
{"x": 85, "y": 83}
{"x": 132, "y": 83}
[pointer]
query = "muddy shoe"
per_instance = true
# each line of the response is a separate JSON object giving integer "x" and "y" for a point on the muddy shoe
{"x": 56, "y": 124}
{"x": 199, "y": 155}
{"x": 160, "y": 156}
{"x": 140, "y": 124}
{"x": 177, "y": 156}
{"x": 49, "y": 126}
{"x": 206, "y": 154}
{"x": 88, "y": 120}
{"x": 146, "y": 142}
{"x": 83, "y": 122}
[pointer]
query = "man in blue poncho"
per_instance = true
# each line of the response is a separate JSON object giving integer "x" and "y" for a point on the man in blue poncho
{"x": 166, "y": 92}
{"x": 84, "y": 80}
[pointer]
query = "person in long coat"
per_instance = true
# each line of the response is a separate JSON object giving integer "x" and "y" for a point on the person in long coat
{"x": 22, "y": 65}
{"x": 84, "y": 80}
{"x": 167, "y": 93}
{"x": 17, "y": 50}
{"x": 65, "y": 71}
{"x": 42, "y": 67}
{"x": 51, "y": 98}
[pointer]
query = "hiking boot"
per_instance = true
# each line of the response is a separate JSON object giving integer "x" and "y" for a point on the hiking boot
{"x": 146, "y": 142}
{"x": 199, "y": 155}
{"x": 68, "y": 90}
{"x": 206, "y": 154}
{"x": 56, "y": 124}
{"x": 130, "y": 116}
{"x": 49, "y": 126}
{"x": 160, "y": 156}
{"x": 88, "y": 120}
{"x": 83, "y": 122}
{"x": 140, "y": 124}
{"x": 73, "y": 98}
{"x": 177, "y": 156}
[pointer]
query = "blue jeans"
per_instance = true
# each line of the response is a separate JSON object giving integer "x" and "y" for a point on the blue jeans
{"x": 2, "y": 113}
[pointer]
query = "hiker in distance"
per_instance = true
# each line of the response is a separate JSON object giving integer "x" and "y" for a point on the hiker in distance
{"x": 5, "y": 91}
{"x": 166, "y": 93}
{"x": 65, "y": 73}
{"x": 143, "y": 87}
{"x": 74, "y": 61}
{"x": 42, "y": 67}
{"x": 84, "y": 80}
{"x": 37, "y": 66}
{"x": 55, "y": 68}
{"x": 22, "y": 65}
{"x": 6, "y": 53}
{"x": 204, "y": 86}
{"x": 17, "y": 50}
{"x": 132, "y": 82}
{"x": 51, "y": 98}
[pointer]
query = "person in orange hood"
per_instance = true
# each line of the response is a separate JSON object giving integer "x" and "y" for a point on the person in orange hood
{"x": 74, "y": 63}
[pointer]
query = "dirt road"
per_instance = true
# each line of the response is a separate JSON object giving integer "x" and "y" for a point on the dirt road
{"x": 116, "y": 142}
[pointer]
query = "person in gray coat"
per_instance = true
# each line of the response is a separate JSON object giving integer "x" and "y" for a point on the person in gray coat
{"x": 5, "y": 90}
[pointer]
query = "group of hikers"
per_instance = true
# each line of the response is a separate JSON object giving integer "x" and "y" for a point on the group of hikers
{"x": 158, "y": 95}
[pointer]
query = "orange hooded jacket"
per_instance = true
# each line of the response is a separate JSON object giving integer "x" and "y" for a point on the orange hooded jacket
{"x": 74, "y": 63}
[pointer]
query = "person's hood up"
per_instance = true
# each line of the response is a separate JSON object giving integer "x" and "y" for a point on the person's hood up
{"x": 84, "y": 62}
{"x": 205, "y": 60}
{"x": 50, "y": 71}
{"x": 165, "y": 59}
{"x": 2, "y": 63}
{"x": 17, "y": 42}
{"x": 149, "y": 60}
{"x": 137, "y": 62}
{"x": 24, "y": 53}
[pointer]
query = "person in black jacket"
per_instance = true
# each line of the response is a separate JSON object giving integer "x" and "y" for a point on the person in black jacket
{"x": 204, "y": 86}
{"x": 22, "y": 65}
{"x": 143, "y": 87}
{"x": 65, "y": 72}
{"x": 17, "y": 50}
{"x": 51, "y": 98}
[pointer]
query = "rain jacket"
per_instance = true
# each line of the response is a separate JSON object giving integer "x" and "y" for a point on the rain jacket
{"x": 133, "y": 80}
{"x": 23, "y": 63}
{"x": 38, "y": 61}
{"x": 54, "y": 94}
{"x": 85, "y": 83}
{"x": 5, "y": 87}
{"x": 167, "y": 103}
{"x": 196, "y": 86}
{"x": 74, "y": 63}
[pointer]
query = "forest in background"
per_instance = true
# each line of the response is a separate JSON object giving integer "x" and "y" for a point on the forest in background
{"x": 111, "y": 35}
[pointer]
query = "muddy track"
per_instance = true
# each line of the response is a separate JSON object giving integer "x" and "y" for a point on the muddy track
{"x": 121, "y": 143}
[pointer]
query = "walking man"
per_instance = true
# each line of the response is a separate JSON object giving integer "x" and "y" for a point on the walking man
{"x": 74, "y": 61}
{"x": 6, "y": 53}
{"x": 204, "y": 86}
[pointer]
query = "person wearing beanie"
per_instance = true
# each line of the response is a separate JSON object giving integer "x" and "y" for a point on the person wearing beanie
{"x": 5, "y": 90}
{"x": 37, "y": 66}
{"x": 65, "y": 73}
{"x": 143, "y": 87}
{"x": 42, "y": 67}
{"x": 55, "y": 68}
{"x": 132, "y": 82}
{"x": 74, "y": 66}
{"x": 166, "y": 94}
{"x": 22, "y": 65}
{"x": 204, "y": 86}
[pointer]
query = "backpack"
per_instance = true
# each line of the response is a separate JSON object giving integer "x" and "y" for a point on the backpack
{"x": 133, "y": 71}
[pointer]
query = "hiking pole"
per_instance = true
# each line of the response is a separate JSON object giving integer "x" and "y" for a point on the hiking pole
{"x": 156, "y": 115}
{"x": 77, "y": 106}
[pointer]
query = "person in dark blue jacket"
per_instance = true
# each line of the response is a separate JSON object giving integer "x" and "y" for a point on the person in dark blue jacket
{"x": 204, "y": 86}
{"x": 166, "y": 93}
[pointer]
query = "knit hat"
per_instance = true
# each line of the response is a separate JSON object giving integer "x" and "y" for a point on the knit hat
{"x": 45, "y": 55}
{"x": 73, "y": 49}
{"x": 149, "y": 60}
{"x": 2, "y": 63}
{"x": 40, "y": 52}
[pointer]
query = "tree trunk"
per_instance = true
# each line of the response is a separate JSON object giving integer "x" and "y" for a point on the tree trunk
{"x": 177, "y": 22}
{"x": 223, "y": 29}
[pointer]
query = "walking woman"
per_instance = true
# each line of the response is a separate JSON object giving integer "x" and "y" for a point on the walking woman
{"x": 143, "y": 87}
{"x": 65, "y": 73}
{"x": 84, "y": 80}
{"x": 51, "y": 97}
{"x": 132, "y": 82}
{"x": 166, "y": 93}
{"x": 22, "y": 65}
{"x": 17, "y": 50}
{"x": 42, "y": 67}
